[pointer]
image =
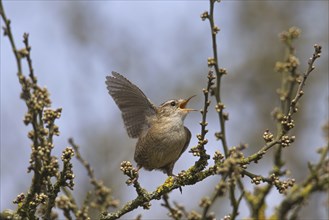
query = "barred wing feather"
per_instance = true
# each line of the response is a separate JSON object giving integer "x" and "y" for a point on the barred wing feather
{"x": 132, "y": 102}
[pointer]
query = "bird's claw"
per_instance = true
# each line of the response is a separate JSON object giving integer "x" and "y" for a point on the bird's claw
{"x": 176, "y": 181}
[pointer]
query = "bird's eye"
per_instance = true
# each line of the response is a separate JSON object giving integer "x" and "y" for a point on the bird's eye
{"x": 173, "y": 103}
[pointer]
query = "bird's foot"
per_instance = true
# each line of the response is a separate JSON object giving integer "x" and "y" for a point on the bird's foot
{"x": 176, "y": 181}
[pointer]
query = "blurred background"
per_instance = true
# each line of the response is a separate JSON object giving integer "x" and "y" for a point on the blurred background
{"x": 161, "y": 46}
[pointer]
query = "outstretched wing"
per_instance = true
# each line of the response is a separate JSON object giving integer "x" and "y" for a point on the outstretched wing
{"x": 132, "y": 102}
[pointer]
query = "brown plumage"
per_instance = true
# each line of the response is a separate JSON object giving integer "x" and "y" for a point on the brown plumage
{"x": 162, "y": 136}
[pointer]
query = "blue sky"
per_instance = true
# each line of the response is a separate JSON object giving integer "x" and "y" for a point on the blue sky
{"x": 163, "y": 48}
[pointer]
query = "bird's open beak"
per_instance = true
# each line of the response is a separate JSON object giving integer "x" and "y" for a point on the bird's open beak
{"x": 184, "y": 102}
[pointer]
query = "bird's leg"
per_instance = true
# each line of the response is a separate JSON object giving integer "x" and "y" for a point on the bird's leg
{"x": 175, "y": 180}
{"x": 170, "y": 173}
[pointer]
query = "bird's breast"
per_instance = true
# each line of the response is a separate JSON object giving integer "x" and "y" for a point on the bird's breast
{"x": 161, "y": 145}
{"x": 170, "y": 135}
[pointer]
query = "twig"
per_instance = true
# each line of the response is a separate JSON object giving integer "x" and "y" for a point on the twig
{"x": 7, "y": 32}
{"x": 311, "y": 67}
{"x": 199, "y": 150}
{"x": 219, "y": 73}
{"x": 28, "y": 57}
{"x": 219, "y": 191}
{"x": 236, "y": 206}
{"x": 219, "y": 106}
{"x": 24, "y": 210}
{"x": 173, "y": 212}
{"x": 42, "y": 163}
{"x": 104, "y": 196}
{"x": 90, "y": 171}
{"x": 292, "y": 109}
{"x": 318, "y": 180}
{"x": 165, "y": 188}
{"x": 65, "y": 175}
